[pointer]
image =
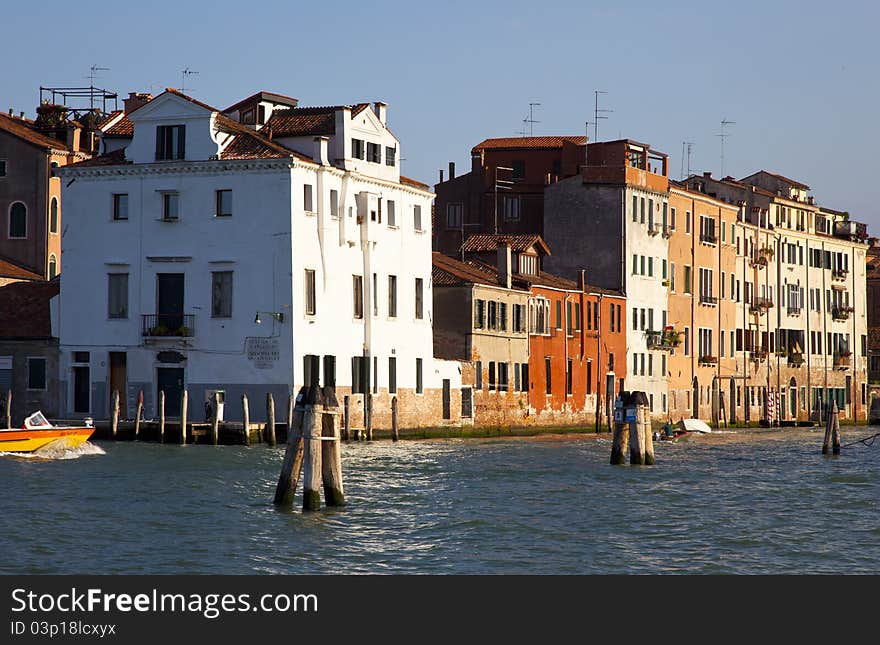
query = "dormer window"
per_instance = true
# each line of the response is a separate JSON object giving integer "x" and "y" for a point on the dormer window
{"x": 528, "y": 264}
{"x": 247, "y": 117}
{"x": 170, "y": 142}
{"x": 374, "y": 153}
{"x": 390, "y": 156}
{"x": 357, "y": 148}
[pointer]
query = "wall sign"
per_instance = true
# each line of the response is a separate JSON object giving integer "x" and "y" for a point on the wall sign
{"x": 263, "y": 352}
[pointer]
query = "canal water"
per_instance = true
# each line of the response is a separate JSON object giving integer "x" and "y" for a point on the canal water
{"x": 747, "y": 502}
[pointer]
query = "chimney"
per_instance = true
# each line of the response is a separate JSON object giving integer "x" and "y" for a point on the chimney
{"x": 73, "y": 135}
{"x": 21, "y": 115}
{"x": 452, "y": 170}
{"x": 320, "y": 153}
{"x": 441, "y": 175}
{"x": 11, "y": 112}
{"x": 810, "y": 200}
{"x": 708, "y": 174}
{"x": 135, "y": 100}
{"x": 505, "y": 269}
{"x": 381, "y": 110}
{"x": 582, "y": 280}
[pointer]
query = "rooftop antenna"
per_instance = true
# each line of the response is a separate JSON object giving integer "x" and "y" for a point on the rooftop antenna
{"x": 597, "y": 114}
{"x": 183, "y": 74}
{"x": 531, "y": 120}
{"x": 93, "y": 74}
{"x": 723, "y": 136}
{"x": 686, "y": 149}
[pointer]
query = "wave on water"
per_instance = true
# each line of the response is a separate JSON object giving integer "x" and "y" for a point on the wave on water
{"x": 56, "y": 453}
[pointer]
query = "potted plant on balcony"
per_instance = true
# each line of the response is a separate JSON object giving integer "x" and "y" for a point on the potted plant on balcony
{"x": 672, "y": 337}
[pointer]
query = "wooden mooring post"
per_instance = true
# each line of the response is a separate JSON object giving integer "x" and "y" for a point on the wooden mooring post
{"x": 215, "y": 420}
{"x": 312, "y": 431}
{"x": 648, "y": 436}
{"x": 270, "y": 420}
{"x": 346, "y": 418}
{"x": 620, "y": 440}
{"x": 184, "y": 404}
{"x": 331, "y": 457}
{"x": 162, "y": 416}
{"x": 9, "y": 408}
{"x": 394, "y": 429}
{"x": 293, "y": 454}
{"x": 632, "y": 430}
{"x": 368, "y": 416}
{"x": 245, "y": 419}
{"x": 114, "y": 414}
{"x": 138, "y": 415}
{"x": 835, "y": 429}
{"x": 829, "y": 426}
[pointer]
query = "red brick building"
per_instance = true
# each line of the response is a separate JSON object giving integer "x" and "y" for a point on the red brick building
{"x": 521, "y": 167}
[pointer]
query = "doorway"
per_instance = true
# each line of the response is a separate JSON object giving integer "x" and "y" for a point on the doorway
{"x": 169, "y": 300}
{"x": 792, "y": 398}
{"x": 447, "y": 399}
{"x": 118, "y": 381}
{"x": 170, "y": 379}
{"x": 81, "y": 389}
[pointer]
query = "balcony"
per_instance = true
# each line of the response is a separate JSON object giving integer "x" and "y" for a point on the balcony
{"x": 795, "y": 359}
{"x": 666, "y": 340}
{"x": 168, "y": 325}
{"x": 708, "y": 238}
{"x": 758, "y": 355}
{"x": 760, "y": 306}
{"x": 758, "y": 261}
{"x": 666, "y": 233}
{"x": 794, "y": 311}
{"x": 839, "y": 274}
{"x": 841, "y": 313}
{"x": 706, "y": 299}
{"x": 841, "y": 360}
{"x": 708, "y": 359}
{"x": 653, "y": 230}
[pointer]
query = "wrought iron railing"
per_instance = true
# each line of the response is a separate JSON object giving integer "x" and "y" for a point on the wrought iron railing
{"x": 175, "y": 325}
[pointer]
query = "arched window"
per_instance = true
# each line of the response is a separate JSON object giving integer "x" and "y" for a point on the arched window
{"x": 18, "y": 220}
{"x": 53, "y": 216}
{"x": 53, "y": 266}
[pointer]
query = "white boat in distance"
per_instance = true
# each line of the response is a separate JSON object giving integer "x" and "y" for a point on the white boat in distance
{"x": 694, "y": 425}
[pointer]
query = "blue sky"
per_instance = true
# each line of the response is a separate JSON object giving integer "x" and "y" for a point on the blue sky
{"x": 799, "y": 79}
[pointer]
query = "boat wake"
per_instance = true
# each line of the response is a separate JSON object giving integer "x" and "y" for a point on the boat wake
{"x": 58, "y": 452}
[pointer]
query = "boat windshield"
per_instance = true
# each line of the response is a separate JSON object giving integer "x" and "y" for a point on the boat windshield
{"x": 37, "y": 420}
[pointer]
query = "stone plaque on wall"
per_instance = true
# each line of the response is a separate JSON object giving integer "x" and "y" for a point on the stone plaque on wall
{"x": 264, "y": 353}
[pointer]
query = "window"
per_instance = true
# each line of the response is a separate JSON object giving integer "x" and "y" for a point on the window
{"x": 221, "y": 294}
{"x": 479, "y": 314}
{"x": 392, "y": 296}
{"x": 478, "y": 374}
{"x": 392, "y": 375}
{"x": 453, "y": 215}
{"x": 357, "y": 292}
{"x": 53, "y": 216}
{"x": 642, "y": 211}
{"x": 635, "y": 209}
{"x": 359, "y": 374}
{"x": 334, "y": 204}
{"x": 687, "y": 222}
{"x": 36, "y": 374}
{"x": 687, "y": 280}
{"x": 310, "y": 292}
{"x": 170, "y": 207}
{"x": 2, "y": 167}
{"x": 18, "y": 221}
{"x": 120, "y": 206}
{"x": 223, "y": 203}
{"x": 491, "y": 376}
{"x": 519, "y": 314}
{"x": 419, "y": 386}
{"x": 357, "y": 148}
{"x": 392, "y": 218}
{"x": 511, "y": 207}
{"x": 568, "y": 377}
{"x": 417, "y": 218}
{"x": 375, "y": 374}
{"x": 547, "y": 374}
{"x": 519, "y": 169}
{"x": 390, "y": 155}
{"x": 502, "y": 377}
{"x": 329, "y": 370}
{"x": 502, "y": 316}
{"x": 308, "y": 202}
{"x": 117, "y": 295}
{"x": 492, "y": 313}
{"x": 589, "y": 376}
{"x": 558, "y": 314}
{"x": 687, "y": 341}
{"x": 419, "y": 309}
{"x": 170, "y": 142}
{"x": 671, "y": 276}
{"x": 53, "y": 266}
{"x": 374, "y": 153}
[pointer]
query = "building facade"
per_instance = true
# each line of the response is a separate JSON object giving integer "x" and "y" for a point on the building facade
{"x": 252, "y": 250}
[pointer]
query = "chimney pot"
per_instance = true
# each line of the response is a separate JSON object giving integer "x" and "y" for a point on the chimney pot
{"x": 11, "y": 112}
{"x": 452, "y": 170}
{"x": 708, "y": 174}
{"x": 441, "y": 175}
{"x": 505, "y": 268}
{"x": 21, "y": 115}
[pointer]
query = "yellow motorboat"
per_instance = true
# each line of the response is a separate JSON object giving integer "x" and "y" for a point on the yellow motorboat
{"x": 38, "y": 433}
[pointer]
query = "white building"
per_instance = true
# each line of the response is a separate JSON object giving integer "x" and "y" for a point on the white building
{"x": 249, "y": 250}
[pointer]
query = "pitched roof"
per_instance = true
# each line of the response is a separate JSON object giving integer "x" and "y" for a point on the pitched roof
{"x": 178, "y": 93}
{"x": 447, "y": 271}
{"x": 250, "y": 144}
{"x": 412, "y": 182}
{"x": 308, "y": 121}
{"x": 122, "y": 128}
{"x": 791, "y": 182}
{"x": 11, "y": 270}
{"x": 518, "y": 242}
{"x": 25, "y": 131}
{"x": 115, "y": 158}
{"x": 264, "y": 96}
{"x": 528, "y": 142}
{"x": 24, "y": 309}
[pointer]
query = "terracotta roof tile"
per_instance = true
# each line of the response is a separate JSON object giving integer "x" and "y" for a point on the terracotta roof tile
{"x": 528, "y": 142}
{"x": 791, "y": 182}
{"x": 250, "y": 144}
{"x": 520, "y": 242}
{"x": 24, "y": 309}
{"x": 122, "y": 128}
{"x": 25, "y": 130}
{"x": 307, "y": 121}
{"x": 448, "y": 271}
{"x": 11, "y": 270}
{"x": 412, "y": 182}
{"x": 115, "y": 158}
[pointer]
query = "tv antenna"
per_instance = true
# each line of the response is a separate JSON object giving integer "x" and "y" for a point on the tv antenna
{"x": 183, "y": 74}
{"x": 597, "y": 114}
{"x": 723, "y": 136}
{"x": 93, "y": 74}
{"x": 530, "y": 121}
{"x": 687, "y": 148}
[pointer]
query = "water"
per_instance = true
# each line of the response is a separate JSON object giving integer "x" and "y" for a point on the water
{"x": 734, "y": 503}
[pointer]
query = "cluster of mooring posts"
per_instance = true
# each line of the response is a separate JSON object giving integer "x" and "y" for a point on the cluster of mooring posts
{"x": 832, "y": 431}
{"x": 313, "y": 450}
{"x": 632, "y": 429}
